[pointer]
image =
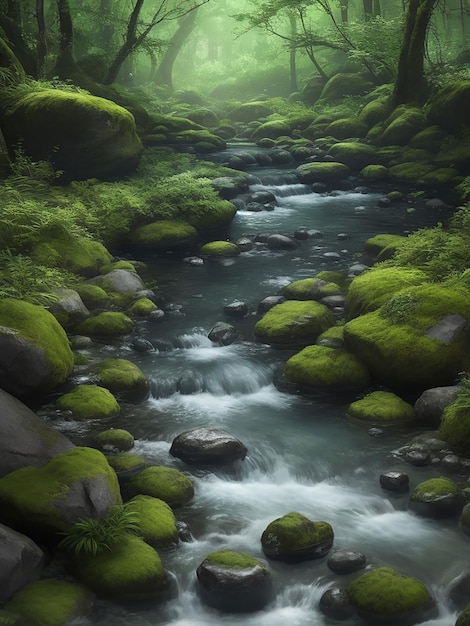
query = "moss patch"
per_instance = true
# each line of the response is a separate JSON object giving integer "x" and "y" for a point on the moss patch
{"x": 93, "y": 296}
{"x": 164, "y": 235}
{"x": 115, "y": 438}
{"x": 433, "y": 487}
{"x": 165, "y": 483}
{"x": 143, "y": 307}
{"x": 220, "y": 248}
{"x": 321, "y": 172}
{"x": 383, "y": 407}
{"x": 353, "y": 154}
{"x": 377, "y": 244}
{"x": 455, "y": 426}
{"x": 156, "y": 521}
{"x": 123, "y": 378}
{"x": 234, "y": 560}
{"x": 294, "y": 535}
{"x": 89, "y": 402}
{"x": 310, "y": 289}
{"x": 107, "y": 324}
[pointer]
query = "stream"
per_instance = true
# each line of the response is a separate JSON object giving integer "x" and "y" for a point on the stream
{"x": 303, "y": 454}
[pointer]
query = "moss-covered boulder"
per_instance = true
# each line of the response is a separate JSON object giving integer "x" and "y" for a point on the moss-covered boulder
{"x": 332, "y": 337}
{"x": 143, "y": 307}
{"x": 345, "y": 84}
{"x": 114, "y": 440}
{"x": 410, "y": 172}
{"x": 322, "y": 366}
{"x": 126, "y": 464}
{"x": 165, "y": 483}
{"x": 464, "y": 617}
{"x": 430, "y": 138}
{"x": 35, "y": 354}
{"x": 294, "y": 322}
{"x": 448, "y": 107}
{"x": 375, "y": 111}
{"x": 375, "y": 246}
{"x": 455, "y": 424}
{"x": 132, "y": 570}
{"x": 107, "y": 324}
{"x": 311, "y": 289}
{"x": 63, "y": 126}
{"x": 156, "y": 521}
{"x": 419, "y": 338}
{"x": 89, "y": 402}
{"x": 250, "y": 111}
{"x": 321, "y": 172}
{"x": 234, "y": 581}
{"x": 436, "y": 497}
{"x": 381, "y": 407}
{"x": 92, "y": 296}
{"x": 294, "y": 537}
{"x": 346, "y": 127}
{"x": 374, "y": 173}
{"x": 402, "y": 125}
{"x": 164, "y": 235}
{"x": 50, "y": 499}
{"x": 51, "y": 602}
{"x": 353, "y": 154}
{"x": 371, "y": 290}
{"x": 123, "y": 378}
{"x": 386, "y": 596}
{"x": 272, "y": 130}
{"x": 56, "y": 247}
{"x": 220, "y": 248}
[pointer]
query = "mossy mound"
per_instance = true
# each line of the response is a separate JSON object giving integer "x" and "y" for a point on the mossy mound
{"x": 310, "y": 289}
{"x": 126, "y": 464}
{"x": 436, "y": 497}
{"x": 165, "y": 483}
{"x": 374, "y": 246}
{"x": 409, "y": 172}
{"x": 372, "y": 289}
{"x": 118, "y": 265}
{"x": 330, "y": 276}
{"x": 132, "y": 570}
{"x": 201, "y": 140}
{"x": 62, "y": 126}
{"x": 375, "y": 111}
{"x": 114, "y": 439}
{"x": 143, "y": 307}
{"x": 35, "y": 354}
{"x": 93, "y": 296}
{"x": 418, "y": 339}
{"x": 448, "y": 107}
{"x": 57, "y": 247}
{"x": 51, "y": 602}
{"x": 332, "y": 338}
{"x": 442, "y": 176}
{"x": 204, "y": 117}
{"x": 250, "y": 111}
{"x": 353, "y": 154}
{"x": 173, "y": 124}
{"x": 49, "y": 499}
{"x": 220, "y": 248}
{"x": 123, "y": 378}
{"x": 294, "y": 322}
{"x": 402, "y": 125}
{"x": 387, "y": 596}
{"x": 89, "y": 402}
{"x": 156, "y": 521}
{"x": 272, "y": 130}
{"x": 321, "y": 366}
{"x": 295, "y": 537}
{"x": 374, "y": 172}
{"x": 321, "y": 172}
{"x": 346, "y": 127}
{"x": 345, "y": 84}
{"x": 455, "y": 425}
{"x": 164, "y": 235}
{"x": 430, "y": 138}
{"x": 107, "y": 324}
{"x": 381, "y": 407}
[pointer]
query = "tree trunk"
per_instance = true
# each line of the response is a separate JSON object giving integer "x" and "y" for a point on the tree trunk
{"x": 344, "y": 11}
{"x": 165, "y": 70}
{"x": 411, "y": 84}
{"x": 368, "y": 9}
{"x": 293, "y": 55}
{"x": 129, "y": 45}
{"x": 42, "y": 37}
{"x": 11, "y": 25}
{"x": 106, "y": 28}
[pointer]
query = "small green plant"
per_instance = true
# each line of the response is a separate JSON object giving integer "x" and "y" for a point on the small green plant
{"x": 91, "y": 536}
{"x": 398, "y": 309}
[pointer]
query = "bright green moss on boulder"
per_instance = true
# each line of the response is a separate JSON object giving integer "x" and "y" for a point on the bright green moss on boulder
{"x": 201, "y": 140}
{"x": 332, "y": 338}
{"x": 434, "y": 487}
{"x": 346, "y": 127}
{"x": 114, "y": 439}
{"x": 374, "y": 172}
{"x": 294, "y": 322}
{"x": 345, "y": 84}
{"x": 400, "y": 127}
{"x": 123, "y": 378}
{"x": 373, "y": 288}
{"x": 381, "y": 407}
{"x": 353, "y": 154}
{"x": 375, "y": 111}
{"x": 142, "y": 307}
{"x": 295, "y": 537}
{"x": 321, "y": 366}
{"x": 220, "y": 248}
{"x": 409, "y": 172}
{"x": 93, "y": 296}
{"x": 164, "y": 235}
{"x": 118, "y": 265}
{"x": 131, "y": 570}
{"x": 156, "y": 521}
{"x": 385, "y": 594}
{"x": 310, "y": 289}
{"x": 89, "y": 402}
{"x": 51, "y": 602}
{"x": 107, "y": 324}
{"x": 231, "y": 558}
{"x": 126, "y": 463}
{"x": 250, "y": 111}
{"x": 436, "y": 498}
{"x": 330, "y": 276}
{"x": 321, "y": 172}
{"x": 448, "y": 107}
{"x": 165, "y": 483}
{"x": 272, "y": 130}
{"x": 375, "y": 245}
{"x": 455, "y": 424}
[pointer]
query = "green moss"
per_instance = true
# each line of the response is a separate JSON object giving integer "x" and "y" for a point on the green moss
{"x": 173, "y": 123}
{"x": 30, "y": 497}
{"x": 294, "y": 322}
{"x": 321, "y": 172}
{"x": 353, "y": 154}
{"x": 250, "y": 111}
{"x": 335, "y": 332}
{"x": 400, "y": 127}
{"x": 234, "y": 560}
{"x": 124, "y": 462}
{"x": 107, "y": 324}
{"x": 122, "y": 378}
{"x": 164, "y": 235}
{"x": 332, "y": 277}
{"x": 310, "y": 289}
{"x": 92, "y": 295}
{"x": 374, "y": 172}
{"x": 429, "y": 138}
{"x": 272, "y": 130}
{"x": 294, "y": 533}
{"x": 386, "y": 593}
{"x": 346, "y": 127}
{"x": 455, "y": 426}
{"x": 442, "y": 176}
{"x": 319, "y": 366}
{"x": 155, "y": 519}
{"x": 118, "y": 265}
{"x": 345, "y": 84}
{"x": 375, "y": 111}
{"x": 114, "y": 437}
{"x": 410, "y": 172}
{"x": 448, "y": 107}
{"x": 383, "y": 407}
{"x": 89, "y": 402}
{"x": 165, "y": 483}
{"x": 51, "y": 602}
{"x": 143, "y": 307}
{"x": 40, "y": 328}
{"x": 464, "y": 617}
{"x": 433, "y": 487}
{"x": 220, "y": 248}
{"x": 195, "y": 137}
{"x": 375, "y": 245}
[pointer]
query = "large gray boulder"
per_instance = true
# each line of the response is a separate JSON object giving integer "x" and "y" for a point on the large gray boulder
{"x": 21, "y": 561}
{"x": 430, "y": 405}
{"x": 119, "y": 280}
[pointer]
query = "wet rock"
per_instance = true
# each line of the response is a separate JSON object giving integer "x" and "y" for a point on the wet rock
{"x": 22, "y": 561}
{"x": 331, "y": 255}
{"x": 333, "y": 302}
{"x": 397, "y": 482}
{"x": 263, "y": 159}
{"x": 437, "y": 497}
{"x": 431, "y": 404}
{"x": 193, "y": 260}
{"x": 255, "y": 207}
{"x": 343, "y": 236}
{"x": 239, "y": 204}
{"x": 224, "y": 334}
{"x": 281, "y": 156}
{"x": 346, "y": 561}
{"x": 357, "y": 269}
{"x": 375, "y": 432}
{"x": 184, "y": 532}
{"x": 301, "y": 233}
{"x": 263, "y": 197}
{"x": 450, "y": 463}
{"x": 236, "y": 309}
{"x": 281, "y": 242}
{"x": 236, "y": 163}
{"x": 459, "y": 590}
{"x": 384, "y": 202}
{"x": 245, "y": 244}
{"x": 448, "y": 329}
{"x": 418, "y": 458}
{"x": 120, "y": 281}
{"x": 229, "y": 187}
{"x": 319, "y": 187}
{"x": 207, "y": 446}
{"x": 335, "y": 603}
{"x": 268, "y": 303}
{"x": 261, "y": 238}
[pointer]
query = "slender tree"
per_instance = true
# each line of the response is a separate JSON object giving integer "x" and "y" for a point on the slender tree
{"x": 164, "y": 74}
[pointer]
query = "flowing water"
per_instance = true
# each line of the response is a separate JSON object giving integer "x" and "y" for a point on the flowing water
{"x": 303, "y": 454}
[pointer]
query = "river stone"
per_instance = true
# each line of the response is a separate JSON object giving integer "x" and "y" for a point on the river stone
{"x": 245, "y": 244}
{"x": 207, "y": 445}
{"x": 418, "y": 458}
{"x": 165, "y": 483}
{"x": 236, "y": 309}
{"x": 255, "y": 207}
{"x": 224, "y": 334}
{"x": 263, "y": 197}
{"x": 281, "y": 242}
{"x": 335, "y": 603}
{"x": 459, "y": 590}
{"x": 430, "y": 405}
{"x": 346, "y": 561}
{"x": 234, "y": 581}
{"x": 448, "y": 329}
{"x": 69, "y": 309}
{"x": 436, "y": 497}
{"x": 394, "y": 481}
{"x": 268, "y": 303}
{"x": 120, "y": 281}
{"x": 21, "y": 561}
{"x": 294, "y": 538}
{"x": 229, "y": 187}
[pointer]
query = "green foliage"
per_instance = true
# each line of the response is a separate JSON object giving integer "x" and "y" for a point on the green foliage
{"x": 91, "y": 536}
{"x": 399, "y": 308}
{"x": 376, "y": 43}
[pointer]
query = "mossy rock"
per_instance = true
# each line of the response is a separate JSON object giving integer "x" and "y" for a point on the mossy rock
{"x": 386, "y": 596}
{"x": 430, "y": 138}
{"x": 332, "y": 338}
{"x": 173, "y": 123}
{"x": 310, "y": 289}
{"x": 374, "y": 172}
{"x": 164, "y": 235}
{"x": 8, "y": 618}
{"x": 410, "y": 172}
{"x": 464, "y": 617}
{"x": 62, "y": 126}
{"x": 123, "y": 378}
{"x": 448, "y": 107}
{"x": 442, "y": 176}
{"x": 331, "y": 276}
{"x": 156, "y": 521}
{"x": 204, "y": 117}
{"x": 165, "y": 483}
{"x": 321, "y": 172}
{"x": 35, "y": 354}
{"x": 402, "y": 125}
{"x": 50, "y": 499}
{"x": 455, "y": 425}
{"x": 250, "y": 111}
{"x": 89, "y": 402}
{"x": 381, "y": 407}
{"x": 114, "y": 439}
{"x": 295, "y": 537}
{"x": 220, "y": 248}
{"x": 373, "y": 288}
{"x": 312, "y": 89}
{"x": 456, "y": 152}
{"x": 272, "y": 130}
{"x": 377, "y": 245}
{"x": 321, "y": 366}
{"x": 342, "y": 84}
{"x": 126, "y": 464}
{"x": 93, "y": 296}
{"x": 346, "y": 127}
{"x": 294, "y": 322}
{"x": 436, "y": 497}
{"x": 203, "y": 139}
{"x": 353, "y": 154}
{"x": 51, "y": 602}
{"x": 132, "y": 570}
{"x": 143, "y": 307}
{"x": 375, "y": 111}
{"x": 107, "y": 324}
{"x": 118, "y": 265}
